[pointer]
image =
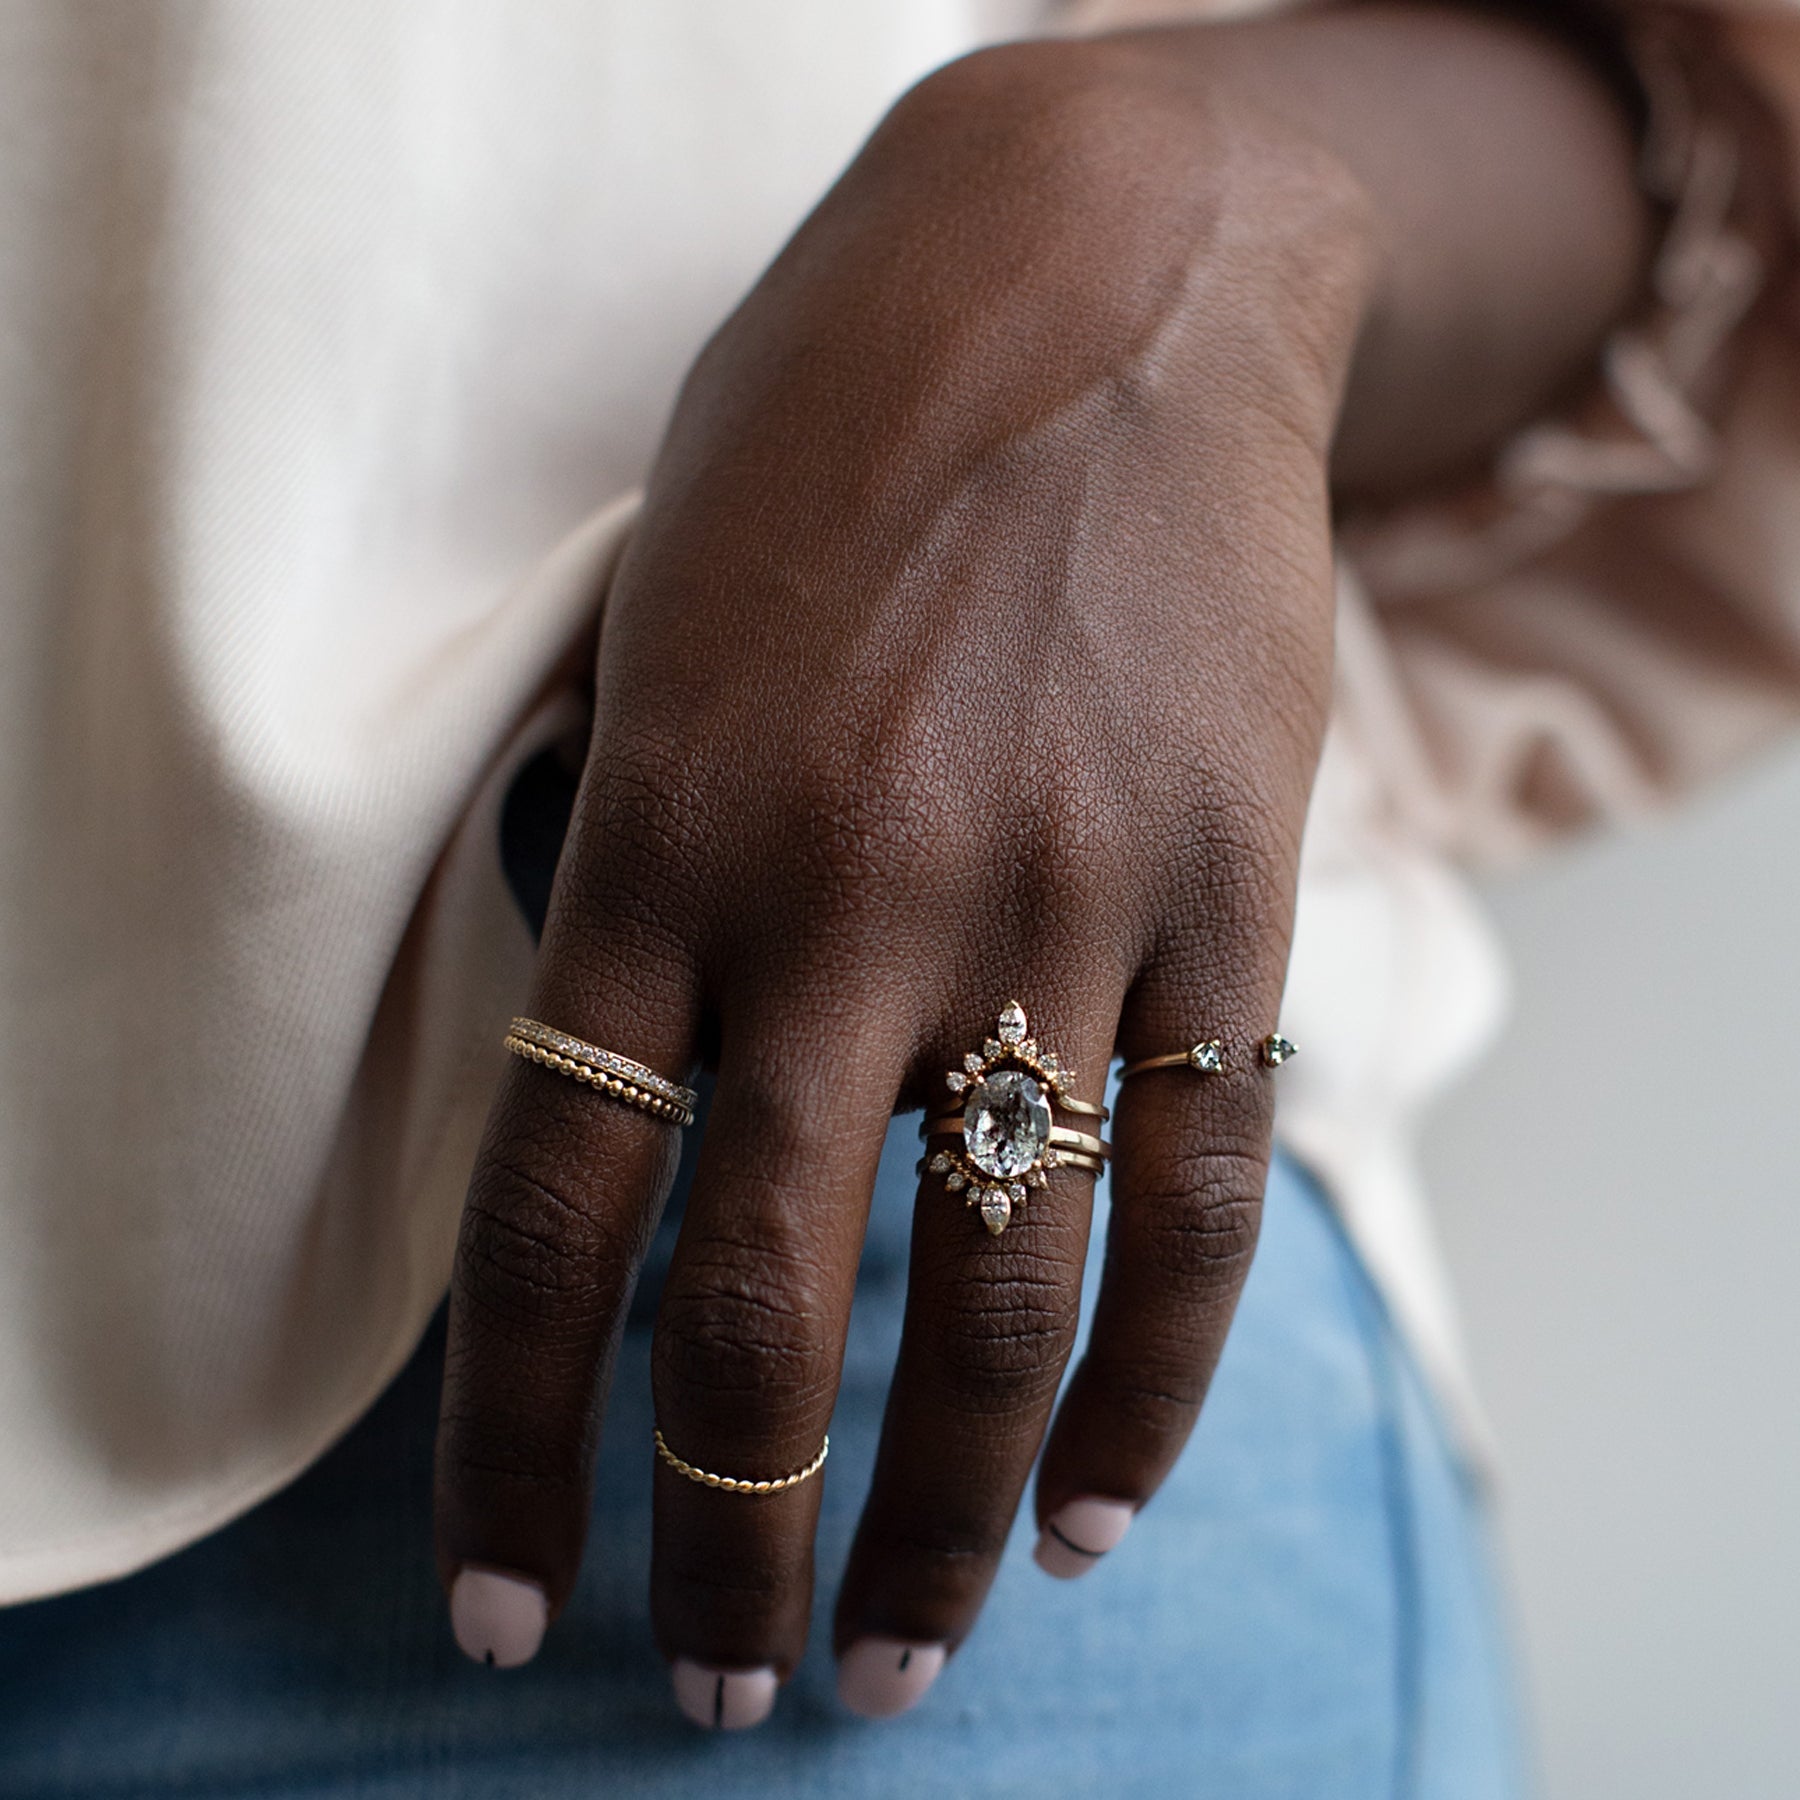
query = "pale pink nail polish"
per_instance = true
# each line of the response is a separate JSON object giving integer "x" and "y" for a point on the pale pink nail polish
{"x": 723, "y": 1699}
{"x": 881, "y": 1676}
{"x": 1077, "y": 1535}
{"x": 498, "y": 1618}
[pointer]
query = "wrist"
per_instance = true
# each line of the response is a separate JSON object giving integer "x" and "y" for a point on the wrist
{"x": 1209, "y": 256}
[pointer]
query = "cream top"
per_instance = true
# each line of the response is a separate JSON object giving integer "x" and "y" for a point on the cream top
{"x": 323, "y": 329}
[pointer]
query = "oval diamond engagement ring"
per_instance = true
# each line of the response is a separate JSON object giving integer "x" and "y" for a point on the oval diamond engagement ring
{"x": 1011, "y": 1088}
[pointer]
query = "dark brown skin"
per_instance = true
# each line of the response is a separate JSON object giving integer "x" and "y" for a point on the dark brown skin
{"x": 976, "y": 644}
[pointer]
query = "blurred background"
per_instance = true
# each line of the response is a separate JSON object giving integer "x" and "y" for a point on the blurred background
{"x": 1619, "y": 1187}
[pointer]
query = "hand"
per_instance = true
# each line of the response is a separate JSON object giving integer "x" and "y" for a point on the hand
{"x": 974, "y": 645}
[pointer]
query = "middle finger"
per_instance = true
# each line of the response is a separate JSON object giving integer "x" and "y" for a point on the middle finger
{"x": 749, "y": 1346}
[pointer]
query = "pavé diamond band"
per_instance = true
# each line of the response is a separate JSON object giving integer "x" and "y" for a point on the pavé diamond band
{"x": 732, "y": 1484}
{"x": 1010, "y": 1143}
{"x": 1208, "y": 1057}
{"x": 605, "y": 1071}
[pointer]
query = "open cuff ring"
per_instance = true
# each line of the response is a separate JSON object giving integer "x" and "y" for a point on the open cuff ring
{"x": 1208, "y": 1057}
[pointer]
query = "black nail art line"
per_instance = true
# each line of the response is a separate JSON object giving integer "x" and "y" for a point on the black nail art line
{"x": 905, "y": 1658}
{"x": 719, "y": 1704}
{"x": 1069, "y": 1543}
{"x": 489, "y": 1659}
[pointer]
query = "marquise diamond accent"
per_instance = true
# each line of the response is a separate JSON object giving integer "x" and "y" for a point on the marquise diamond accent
{"x": 996, "y": 1210}
{"x": 1012, "y": 1023}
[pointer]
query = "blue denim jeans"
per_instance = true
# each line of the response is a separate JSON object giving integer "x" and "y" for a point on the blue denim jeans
{"x": 1303, "y": 1612}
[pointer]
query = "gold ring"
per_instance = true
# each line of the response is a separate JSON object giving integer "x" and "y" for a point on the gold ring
{"x": 1067, "y": 1159}
{"x": 1087, "y": 1107}
{"x": 730, "y": 1484}
{"x": 1010, "y": 1144}
{"x": 1060, "y": 1135}
{"x": 1208, "y": 1057}
{"x": 605, "y": 1070}
{"x": 1073, "y": 1159}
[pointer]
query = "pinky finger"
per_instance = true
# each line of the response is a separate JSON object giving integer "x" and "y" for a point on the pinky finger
{"x": 1190, "y": 1164}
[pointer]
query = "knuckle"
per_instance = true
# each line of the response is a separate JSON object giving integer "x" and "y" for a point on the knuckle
{"x": 999, "y": 1346}
{"x": 1194, "y": 1210}
{"x": 1198, "y": 1220}
{"x": 740, "y": 1349}
{"x": 1092, "y": 810}
{"x": 643, "y": 820}
{"x": 640, "y": 795}
{"x": 1234, "y": 848}
{"x": 770, "y": 1110}
{"x": 969, "y": 1539}
{"x": 1079, "y": 820}
{"x": 530, "y": 1254}
{"x": 793, "y": 1115}
{"x": 494, "y": 1441}
{"x": 1147, "y": 1407}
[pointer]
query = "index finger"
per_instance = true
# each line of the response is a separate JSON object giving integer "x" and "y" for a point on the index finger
{"x": 574, "y": 1167}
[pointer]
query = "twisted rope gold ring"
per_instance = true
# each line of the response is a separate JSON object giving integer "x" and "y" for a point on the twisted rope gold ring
{"x": 731, "y": 1484}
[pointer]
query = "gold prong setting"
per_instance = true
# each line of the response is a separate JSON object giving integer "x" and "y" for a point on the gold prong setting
{"x": 1011, "y": 1046}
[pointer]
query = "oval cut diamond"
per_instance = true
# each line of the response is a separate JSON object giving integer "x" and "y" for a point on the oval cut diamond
{"x": 1006, "y": 1123}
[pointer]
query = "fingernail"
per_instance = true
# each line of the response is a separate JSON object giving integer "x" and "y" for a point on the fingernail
{"x": 723, "y": 1699}
{"x": 498, "y": 1619}
{"x": 881, "y": 1676}
{"x": 1077, "y": 1535}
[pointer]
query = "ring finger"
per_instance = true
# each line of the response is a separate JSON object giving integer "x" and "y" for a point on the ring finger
{"x": 992, "y": 1302}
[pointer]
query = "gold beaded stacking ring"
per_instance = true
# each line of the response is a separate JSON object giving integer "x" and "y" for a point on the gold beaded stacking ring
{"x": 1208, "y": 1057}
{"x": 730, "y": 1484}
{"x": 1010, "y": 1142}
{"x": 603, "y": 1070}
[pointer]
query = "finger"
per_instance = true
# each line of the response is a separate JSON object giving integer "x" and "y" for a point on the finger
{"x": 749, "y": 1347}
{"x": 989, "y": 1325}
{"x": 561, "y": 1206}
{"x": 1191, "y": 1163}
